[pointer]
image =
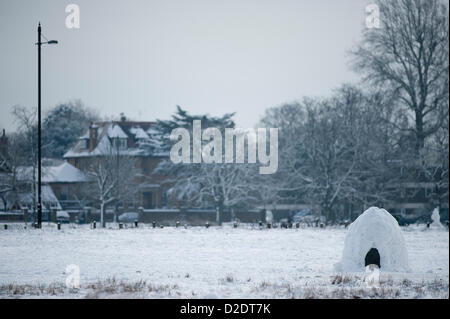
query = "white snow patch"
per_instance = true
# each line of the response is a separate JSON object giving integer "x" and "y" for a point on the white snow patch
{"x": 47, "y": 195}
{"x": 225, "y": 262}
{"x": 114, "y": 131}
{"x": 63, "y": 173}
{"x": 139, "y": 133}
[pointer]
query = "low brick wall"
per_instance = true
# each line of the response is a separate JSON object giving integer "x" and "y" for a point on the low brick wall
{"x": 167, "y": 217}
{"x": 28, "y": 216}
{"x": 194, "y": 217}
{"x": 11, "y": 217}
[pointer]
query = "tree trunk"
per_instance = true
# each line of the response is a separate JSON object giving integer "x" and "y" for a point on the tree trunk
{"x": 329, "y": 214}
{"x": 116, "y": 215}
{"x": 102, "y": 215}
{"x": 420, "y": 139}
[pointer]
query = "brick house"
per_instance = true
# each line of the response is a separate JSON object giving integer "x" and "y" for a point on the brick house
{"x": 132, "y": 139}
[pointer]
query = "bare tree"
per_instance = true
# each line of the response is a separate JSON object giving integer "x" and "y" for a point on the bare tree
{"x": 221, "y": 185}
{"x": 331, "y": 156}
{"x": 334, "y": 151}
{"x": 112, "y": 178}
{"x": 10, "y": 183}
{"x": 409, "y": 57}
{"x": 285, "y": 185}
{"x": 25, "y": 120}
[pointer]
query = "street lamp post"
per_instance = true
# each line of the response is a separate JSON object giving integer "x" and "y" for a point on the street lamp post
{"x": 39, "y": 44}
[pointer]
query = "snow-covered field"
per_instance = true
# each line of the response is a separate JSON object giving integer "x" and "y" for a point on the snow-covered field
{"x": 219, "y": 262}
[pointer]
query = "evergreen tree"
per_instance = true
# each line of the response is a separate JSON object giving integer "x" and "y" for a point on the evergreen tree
{"x": 63, "y": 125}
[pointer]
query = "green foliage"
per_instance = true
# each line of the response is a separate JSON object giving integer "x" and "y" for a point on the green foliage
{"x": 63, "y": 125}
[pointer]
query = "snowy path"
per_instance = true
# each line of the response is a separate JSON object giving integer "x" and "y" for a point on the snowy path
{"x": 223, "y": 262}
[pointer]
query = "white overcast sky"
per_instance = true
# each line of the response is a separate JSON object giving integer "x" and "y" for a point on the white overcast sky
{"x": 144, "y": 57}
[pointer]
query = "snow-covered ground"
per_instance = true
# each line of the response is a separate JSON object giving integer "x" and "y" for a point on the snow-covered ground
{"x": 196, "y": 262}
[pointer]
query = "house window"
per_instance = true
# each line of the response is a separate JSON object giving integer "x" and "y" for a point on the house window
{"x": 120, "y": 143}
{"x": 165, "y": 199}
{"x": 148, "y": 199}
{"x": 64, "y": 192}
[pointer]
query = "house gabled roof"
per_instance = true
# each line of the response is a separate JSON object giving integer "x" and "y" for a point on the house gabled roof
{"x": 85, "y": 135}
{"x": 115, "y": 131}
{"x": 135, "y": 132}
{"x": 139, "y": 133}
{"x": 63, "y": 173}
{"x": 47, "y": 195}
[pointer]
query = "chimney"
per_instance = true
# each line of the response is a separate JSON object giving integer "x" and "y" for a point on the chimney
{"x": 93, "y": 130}
{"x": 3, "y": 144}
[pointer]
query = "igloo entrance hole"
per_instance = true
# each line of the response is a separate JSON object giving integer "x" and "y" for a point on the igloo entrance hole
{"x": 373, "y": 258}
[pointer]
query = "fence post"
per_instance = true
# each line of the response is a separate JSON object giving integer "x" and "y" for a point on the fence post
{"x": 25, "y": 215}
{"x": 53, "y": 215}
{"x": 141, "y": 214}
{"x": 87, "y": 215}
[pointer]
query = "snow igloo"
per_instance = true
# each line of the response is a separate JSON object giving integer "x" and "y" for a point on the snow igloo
{"x": 374, "y": 238}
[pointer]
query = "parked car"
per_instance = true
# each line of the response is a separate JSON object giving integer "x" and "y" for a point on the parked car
{"x": 128, "y": 217}
{"x": 62, "y": 217}
{"x": 304, "y": 216}
{"x": 284, "y": 222}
